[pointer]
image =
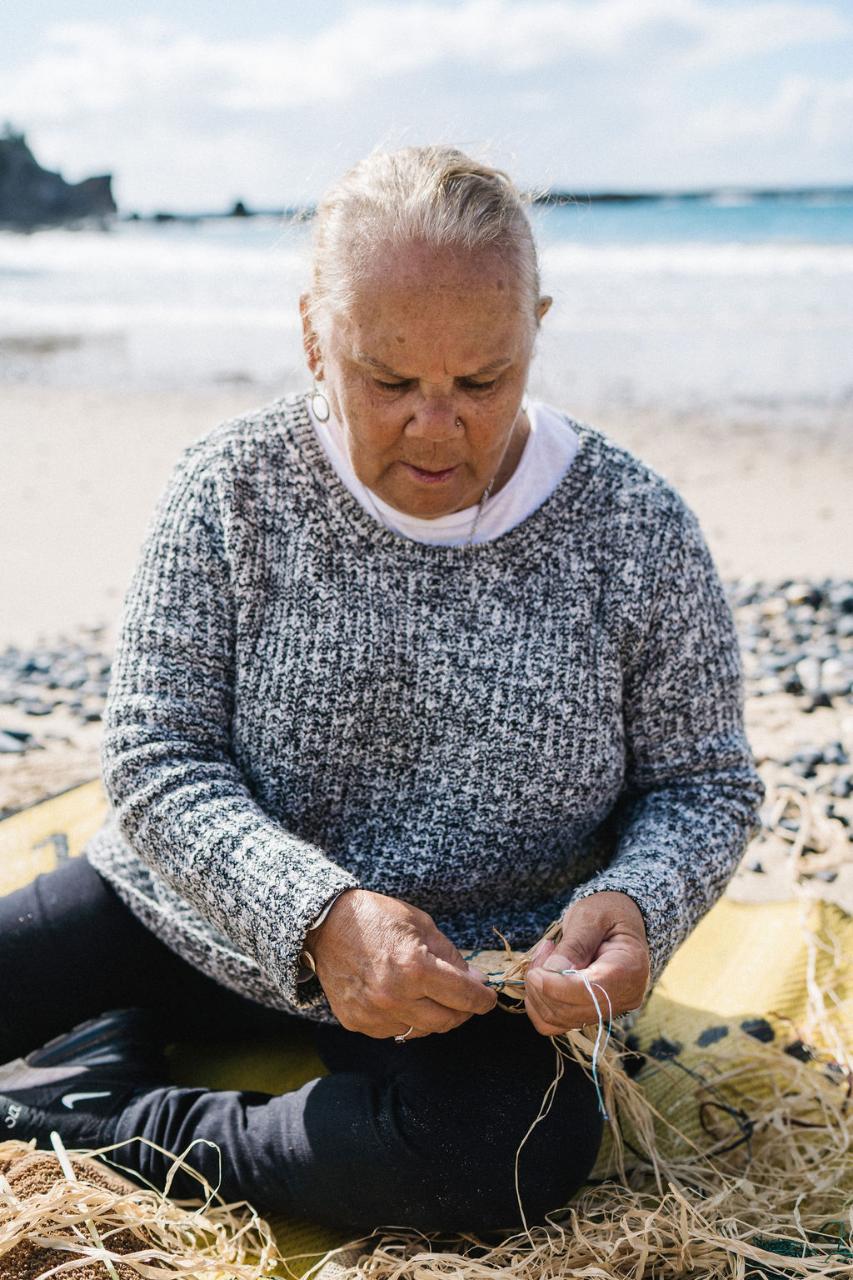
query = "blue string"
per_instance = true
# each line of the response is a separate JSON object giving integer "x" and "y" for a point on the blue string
{"x": 589, "y": 985}
{"x": 495, "y": 980}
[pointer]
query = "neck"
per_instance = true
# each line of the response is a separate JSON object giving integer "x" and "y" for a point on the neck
{"x": 512, "y": 453}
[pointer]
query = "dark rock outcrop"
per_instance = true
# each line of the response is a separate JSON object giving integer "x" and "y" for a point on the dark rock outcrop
{"x": 31, "y": 196}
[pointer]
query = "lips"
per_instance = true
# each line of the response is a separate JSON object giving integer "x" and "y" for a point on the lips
{"x": 427, "y": 475}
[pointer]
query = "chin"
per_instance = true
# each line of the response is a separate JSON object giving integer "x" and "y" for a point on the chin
{"x": 426, "y": 506}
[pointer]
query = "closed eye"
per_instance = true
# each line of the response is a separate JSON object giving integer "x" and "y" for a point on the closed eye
{"x": 479, "y": 386}
{"x": 468, "y": 383}
{"x": 391, "y": 386}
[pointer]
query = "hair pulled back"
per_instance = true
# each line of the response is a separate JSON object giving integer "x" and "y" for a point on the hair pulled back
{"x": 434, "y": 195}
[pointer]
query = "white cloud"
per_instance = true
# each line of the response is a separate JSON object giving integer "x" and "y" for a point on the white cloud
{"x": 802, "y": 110}
{"x": 98, "y": 66}
{"x": 593, "y": 91}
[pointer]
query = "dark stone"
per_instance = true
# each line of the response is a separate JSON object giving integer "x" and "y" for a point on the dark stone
{"x": 34, "y": 707}
{"x": 711, "y": 1035}
{"x": 663, "y": 1048}
{"x": 755, "y": 866}
{"x": 799, "y": 1051}
{"x": 842, "y": 786}
{"x": 819, "y": 699}
{"x": 21, "y": 734}
{"x": 31, "y": 196}
{"x": 10, "y": 746}
{"x": 778, "y": 661}
{"x": 633, "y": 1060}
{"x": 841, "y": 598}
{"x": 759, "y": 1029}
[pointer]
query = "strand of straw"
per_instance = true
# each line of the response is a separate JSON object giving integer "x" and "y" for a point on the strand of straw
{"x": 551, "y": 1091}
{"x": 65, "y": 1166}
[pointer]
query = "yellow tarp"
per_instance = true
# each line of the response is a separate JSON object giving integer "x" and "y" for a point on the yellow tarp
{"x": 742, "y": 964}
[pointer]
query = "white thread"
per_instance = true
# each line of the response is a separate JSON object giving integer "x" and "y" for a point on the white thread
{"x": 550, "y": 1092}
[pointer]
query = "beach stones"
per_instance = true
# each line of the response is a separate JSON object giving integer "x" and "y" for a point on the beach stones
{"x": 70, "y": 676}
{"x": 796, "y": 638}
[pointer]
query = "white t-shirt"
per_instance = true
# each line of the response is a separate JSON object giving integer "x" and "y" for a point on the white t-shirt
{"x": 548, "y": 453}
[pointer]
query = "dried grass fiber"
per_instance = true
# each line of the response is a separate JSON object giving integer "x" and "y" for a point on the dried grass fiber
{"x": 727, "y": 1161}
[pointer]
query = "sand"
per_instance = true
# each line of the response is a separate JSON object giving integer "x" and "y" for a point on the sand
{"x": 82, "y": 471}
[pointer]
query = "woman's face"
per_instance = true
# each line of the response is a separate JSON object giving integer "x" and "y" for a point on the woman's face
{"x": 427, "y": 373}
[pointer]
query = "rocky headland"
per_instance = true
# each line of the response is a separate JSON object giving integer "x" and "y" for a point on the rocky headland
{"x": 31, "y": 196}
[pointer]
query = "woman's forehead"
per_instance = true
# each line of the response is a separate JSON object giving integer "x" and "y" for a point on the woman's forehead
{"x": 468, "y": 304}
{"x": 448, "y": 270}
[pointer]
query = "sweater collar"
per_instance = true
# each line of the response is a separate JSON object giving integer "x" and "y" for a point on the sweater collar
{"x": 560, "y": 509}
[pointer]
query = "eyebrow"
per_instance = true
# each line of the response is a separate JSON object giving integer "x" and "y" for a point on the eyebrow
{"x": 492, "y": 367}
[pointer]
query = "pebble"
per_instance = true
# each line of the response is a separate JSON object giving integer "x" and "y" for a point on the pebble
{"x": 69, "y": 673}
{"x": 796, "y": 640}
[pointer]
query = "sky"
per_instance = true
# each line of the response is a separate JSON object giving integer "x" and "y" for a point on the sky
{"x": 193, "y": 105}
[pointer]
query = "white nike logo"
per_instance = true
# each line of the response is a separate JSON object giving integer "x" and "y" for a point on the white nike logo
{"x": 68, "y": 1099}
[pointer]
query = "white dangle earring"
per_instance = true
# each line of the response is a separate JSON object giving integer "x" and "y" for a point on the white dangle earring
{"x": 319, "y": 404}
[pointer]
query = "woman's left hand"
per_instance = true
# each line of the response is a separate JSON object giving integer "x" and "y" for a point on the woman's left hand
{"x": 605, "y": 936}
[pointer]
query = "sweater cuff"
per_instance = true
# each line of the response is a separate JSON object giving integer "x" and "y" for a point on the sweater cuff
{"x": 306, "y": 967}
{"x": 328, "y": 881}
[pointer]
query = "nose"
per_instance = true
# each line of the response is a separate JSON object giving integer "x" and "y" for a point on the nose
{"x": 435, "y": 420}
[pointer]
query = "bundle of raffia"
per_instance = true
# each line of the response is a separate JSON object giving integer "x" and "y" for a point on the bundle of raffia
{"x": 72, "y": 1216}
{"x": 746, "y": 1170}
{"x": 762, "y": 1186}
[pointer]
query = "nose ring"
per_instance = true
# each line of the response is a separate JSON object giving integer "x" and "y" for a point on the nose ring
{"x": 459, "y": 422}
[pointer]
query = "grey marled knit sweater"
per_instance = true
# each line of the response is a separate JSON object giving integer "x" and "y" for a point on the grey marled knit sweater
{"x": 303, "y": 700}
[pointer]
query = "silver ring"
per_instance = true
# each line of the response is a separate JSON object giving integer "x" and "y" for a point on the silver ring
{"x": 402, "y": 1039}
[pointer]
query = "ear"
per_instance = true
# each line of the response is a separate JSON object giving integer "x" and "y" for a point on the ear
{"x": 310, "y": 341}
{"x": 542, "y": 307}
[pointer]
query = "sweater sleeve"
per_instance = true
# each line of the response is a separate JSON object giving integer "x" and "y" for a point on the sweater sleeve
{"x": 179, "y": 798}
{"x": 692, "y": 793}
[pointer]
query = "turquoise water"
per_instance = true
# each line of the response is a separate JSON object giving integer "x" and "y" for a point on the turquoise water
{"x": 733, "y": 307}
{"x": 721, "y": 220}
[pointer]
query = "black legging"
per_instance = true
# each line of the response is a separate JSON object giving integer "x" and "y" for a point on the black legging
{"x": 422, "y": 1134}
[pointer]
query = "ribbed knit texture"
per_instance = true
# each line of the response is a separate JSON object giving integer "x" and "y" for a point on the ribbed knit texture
{"x": 303, "y": 700}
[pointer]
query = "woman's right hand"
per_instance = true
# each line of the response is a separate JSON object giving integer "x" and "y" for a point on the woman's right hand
{"x": 385, "y": 966}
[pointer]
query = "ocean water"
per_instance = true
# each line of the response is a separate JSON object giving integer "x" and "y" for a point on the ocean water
{"x": 734, "y": 307}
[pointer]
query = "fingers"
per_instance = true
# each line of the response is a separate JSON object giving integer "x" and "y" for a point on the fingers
{"x": 464, "y": 990}
{"x": 424, "y": 1016}
{"x": 617, "y": 981}
{"x": 556, "y": 1003}
{"x": 603, "y": 939}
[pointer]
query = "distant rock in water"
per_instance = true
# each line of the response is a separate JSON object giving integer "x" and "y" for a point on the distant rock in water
{"x": 31, "y": 196}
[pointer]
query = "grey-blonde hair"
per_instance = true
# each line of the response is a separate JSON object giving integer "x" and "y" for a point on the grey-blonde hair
{"x": 434, "y": 195}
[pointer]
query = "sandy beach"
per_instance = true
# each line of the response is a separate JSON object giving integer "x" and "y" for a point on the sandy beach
{"x": 83, "y": 470}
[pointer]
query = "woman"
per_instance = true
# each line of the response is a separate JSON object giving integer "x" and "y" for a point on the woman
{"x": 405, "y": 659}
